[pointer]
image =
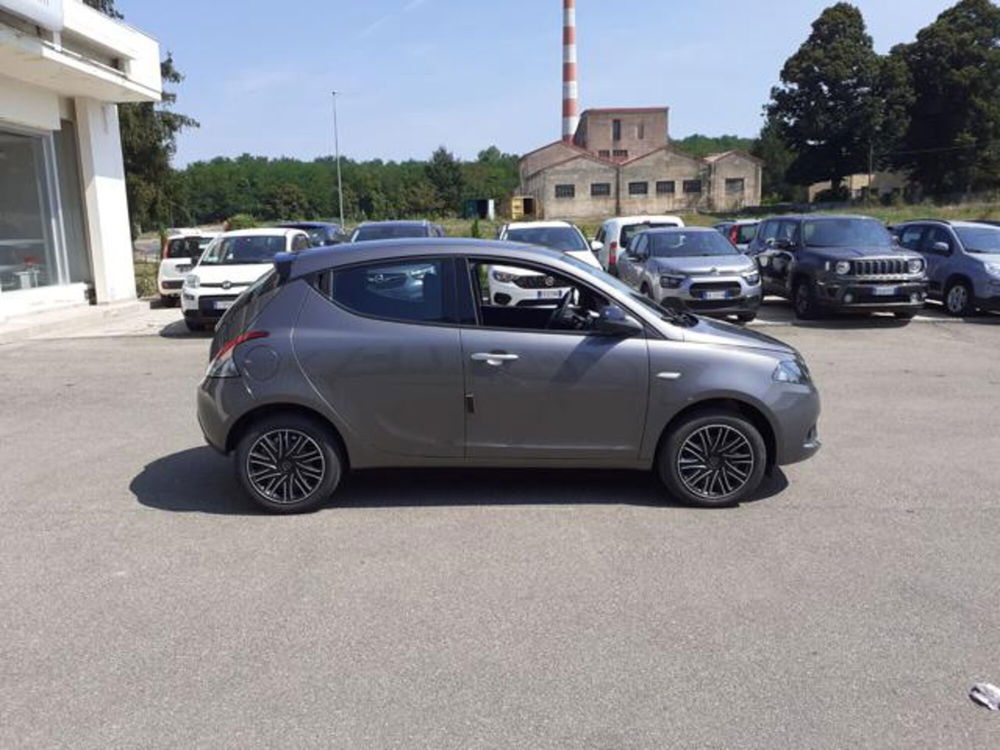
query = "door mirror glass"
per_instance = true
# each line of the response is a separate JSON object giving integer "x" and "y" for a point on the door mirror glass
{"x": 613, "y": 321}
{"x": 597, "y": 246}
{"x": 941, "y": 248}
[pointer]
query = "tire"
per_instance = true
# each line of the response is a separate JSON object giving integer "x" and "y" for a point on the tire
{"x": 646, "y": 292}
{"x": 306, "y": 462}
{"x": 804, "y": 300}
{"x": 904, "y": 315}
{"x": 746, "y": 317}
{"x": 689, "y": 440}
{"x": 958, "y": 299}
{"x": 168, "y": 301}
{"x": 194, "y": 326}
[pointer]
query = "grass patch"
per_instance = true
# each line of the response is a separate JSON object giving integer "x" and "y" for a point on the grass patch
{"x": 145, "y": 278}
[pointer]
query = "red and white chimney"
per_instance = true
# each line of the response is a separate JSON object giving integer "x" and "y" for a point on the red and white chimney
{"x": 571, "y": 92}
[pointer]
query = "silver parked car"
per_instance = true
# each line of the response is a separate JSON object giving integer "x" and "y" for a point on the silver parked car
{"x": 963, "y": 262}
{"x": 693, "y": 268}
{"x": 392, "y": 354}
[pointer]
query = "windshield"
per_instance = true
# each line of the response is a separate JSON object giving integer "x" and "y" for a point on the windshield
{"x": 631, "y": 230}
{"x": 745, "y": 233}
{"x": 565, "y": 239}
{"x": 388, "y": 232}
{"x": 234, "y": 251}
{"x": 985, "y": 240}
{"x": 632, "y": 294}
{"x": 845, "y": 233}
{"x": 680, "y": 244}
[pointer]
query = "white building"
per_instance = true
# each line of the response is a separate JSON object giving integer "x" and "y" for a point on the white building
{"x": 64, "y": 224}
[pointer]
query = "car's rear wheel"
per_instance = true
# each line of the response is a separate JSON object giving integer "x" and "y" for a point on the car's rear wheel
{"x": 804, "y": 300}
{"x": 289, "y": 463}
{"x": 958, "y": 299}
{"x": 712, "y": 459}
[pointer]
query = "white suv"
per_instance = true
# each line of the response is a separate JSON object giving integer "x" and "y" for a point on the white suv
{"x": 233, "y": 261}
{"x": 181, "y": 250}
{"x": 515, "y": 287}
{"x": 615, "y": 234}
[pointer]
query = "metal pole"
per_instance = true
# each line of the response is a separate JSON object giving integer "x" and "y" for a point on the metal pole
{"x": 336, "y": 146}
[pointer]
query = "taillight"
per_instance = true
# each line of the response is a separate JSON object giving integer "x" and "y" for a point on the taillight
{"x": 734, "y": 235}
{"x": 223, "y": 365}
{"x": 612, "y": 253}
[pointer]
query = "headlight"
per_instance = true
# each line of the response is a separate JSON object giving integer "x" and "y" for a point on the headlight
{"x": 993, "y": 269}
{"x": 192, "y": 280}
{"x": 842, "y": 268}
{"x": 792, "y": 371}
{"x": 671, "y": 282}
{"x": 504, "y": 278}
{"x": 915, "y": 266}
{"x": 752, "y": 278}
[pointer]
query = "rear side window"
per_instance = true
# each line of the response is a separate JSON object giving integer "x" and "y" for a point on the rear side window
{"x": 910, "y": 238}
{"x": 185, "y": 247}
{"x": 417, "y": 290}
{"x": 247, "y": 308}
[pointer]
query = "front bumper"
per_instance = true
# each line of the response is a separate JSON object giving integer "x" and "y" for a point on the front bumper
{"x": 509, "y": 294}
{"x": 796, "y": 410}
{"x": 718, "y": 295}
{"x": 205, "y": 308}
{"x": 871, "y": 295}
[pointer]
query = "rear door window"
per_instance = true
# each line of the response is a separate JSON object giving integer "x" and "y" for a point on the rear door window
{"x": 418, "y": 290}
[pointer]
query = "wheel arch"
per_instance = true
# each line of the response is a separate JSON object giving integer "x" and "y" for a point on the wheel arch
{"x": 269, "y": 410}
{"x": 956, "y": 276}
{"x": 752, "y": 413}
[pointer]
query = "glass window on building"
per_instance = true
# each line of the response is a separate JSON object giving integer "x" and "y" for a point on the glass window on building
{"x": 565, "y": 191}
{"x": 735, "y": 186}
{"x": 638, "y": 188}
{"x": 600, "y": 189}
{"x": 32, "y": 217}
{"x": 27, "y": 254}
{"x": 692, "y": 186}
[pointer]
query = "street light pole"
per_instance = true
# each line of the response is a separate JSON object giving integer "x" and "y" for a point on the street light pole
{"x": 336, "y": 146}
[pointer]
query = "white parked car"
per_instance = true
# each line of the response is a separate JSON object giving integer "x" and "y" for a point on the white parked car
{"x": 515, "y": 287}
{"x": 615, "y": 234}
{"x": 232, "y": 262}
{"x": 181, "y": 250}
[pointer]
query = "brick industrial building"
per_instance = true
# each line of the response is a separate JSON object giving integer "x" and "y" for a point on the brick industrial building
{"x": 620, "y": 161}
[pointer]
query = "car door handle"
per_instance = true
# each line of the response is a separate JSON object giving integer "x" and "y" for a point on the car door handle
{"x": 494, "y": 359}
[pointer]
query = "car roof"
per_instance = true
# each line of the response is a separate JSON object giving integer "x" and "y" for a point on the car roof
{"x": 396, "y": 223}
{"x": 802, "y": 217}
{"x": 537, "y": 224}
{"x": 317, "y": 259}
{"x": 948, "y": 222}
{"x": 310, "y": 224}
{"x": 261, "y": 232}
{"x": 685, "y": 230}
{"x": 644, "y": 218}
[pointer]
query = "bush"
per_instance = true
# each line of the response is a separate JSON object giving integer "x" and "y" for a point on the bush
{"x": 240, "y": 221}
{"x": 475, "y": 231}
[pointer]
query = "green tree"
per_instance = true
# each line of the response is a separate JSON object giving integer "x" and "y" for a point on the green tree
{"x": 953, "y": 142}
{"x": 700, "y": 146}
{"x": 778, "y": 158}
{"x": 286, "y": 200}
{"x": 445, "y": 174}
{"x": 839, "y": 104}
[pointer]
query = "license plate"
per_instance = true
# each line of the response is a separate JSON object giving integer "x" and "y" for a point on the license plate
{"x": 714, "y": 295}
{"x": 549, "y": 294}
{"x": 223, "y": 305}
{"x": 884, "y": 291}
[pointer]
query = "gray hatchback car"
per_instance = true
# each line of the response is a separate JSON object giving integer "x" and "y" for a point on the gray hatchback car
{"x": 391, "y": 354}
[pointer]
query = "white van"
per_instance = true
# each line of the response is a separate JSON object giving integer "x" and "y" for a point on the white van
{"x": 615, "y": 235}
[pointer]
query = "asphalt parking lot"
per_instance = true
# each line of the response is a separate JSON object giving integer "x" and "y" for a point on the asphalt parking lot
{"x": 144, "y": 603}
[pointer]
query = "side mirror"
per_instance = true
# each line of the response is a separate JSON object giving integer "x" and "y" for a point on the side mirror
{"x": 941, "y": 248}
{"x": 783, "y": 244}
{"x": 613, "y": 321}
{"x": 596, "y": 246}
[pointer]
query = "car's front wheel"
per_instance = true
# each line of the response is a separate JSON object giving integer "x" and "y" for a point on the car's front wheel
{"x": 958, "y": 299}
{"x": 804, "y": 300}
{"x": 289, "y": 463}
{"x": 712, "y": 459}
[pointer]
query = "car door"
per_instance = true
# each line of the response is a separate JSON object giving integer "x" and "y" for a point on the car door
{"x": 380, "y": 343}
{"x": 769, "y": 256}
{"x": 631, "y": 263}
{"x": 938, "y": 259}
{"x": 534, "y": 393}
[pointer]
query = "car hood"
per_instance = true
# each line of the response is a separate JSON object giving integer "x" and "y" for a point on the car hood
{"x": 708, "y": 331}
{"x": 587, "y": 256}
{"x": 237, "y": 275}
{"x": 850, "y": 253}
{"x": 703, "y": 266}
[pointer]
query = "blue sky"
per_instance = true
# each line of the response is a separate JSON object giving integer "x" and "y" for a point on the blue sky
{"x": 416, "y": 74}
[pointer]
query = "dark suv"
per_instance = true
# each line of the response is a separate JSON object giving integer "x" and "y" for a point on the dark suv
{"x": 838, "y": 263}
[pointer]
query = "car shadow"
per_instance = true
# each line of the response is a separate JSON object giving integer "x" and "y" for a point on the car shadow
{"x": 199, "y": 480}
{"x": 179, "y": 330}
